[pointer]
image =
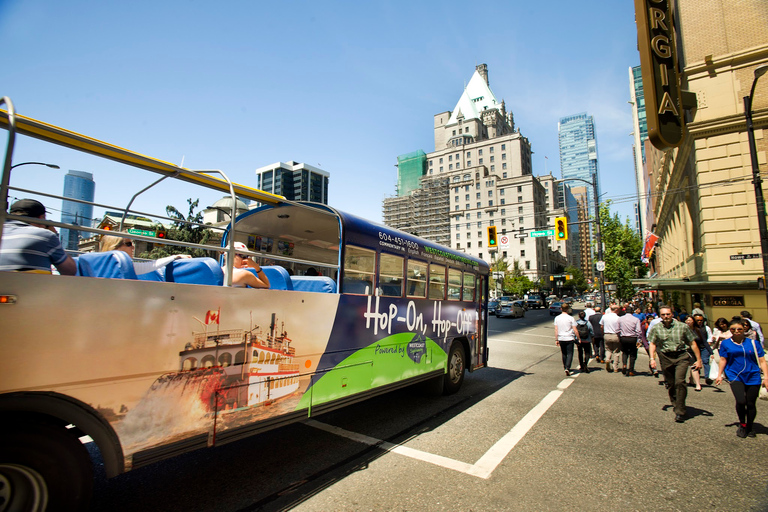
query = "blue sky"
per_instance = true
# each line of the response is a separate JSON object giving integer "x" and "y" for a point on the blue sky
{"x": 345, "y": 86}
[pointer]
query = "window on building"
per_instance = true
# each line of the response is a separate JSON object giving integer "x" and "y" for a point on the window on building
{"x": 469, "y": 163}
{"x": 479, "y": 225}
{"x": 501, "y": 191}
{"x": 479, "y": 161}
{"x": 522, "y": 254}
{"x": 450, "y": 158}
{"x": 519, "y": 199}
{"x": 490, "y": 193}
{"x": 519, "y": 209}
{"x": 479, "y": 151}
{"x": 503, "y": 156}
{"x": 458, "y": 165}
{"x": 493, "y": 168}
{"x": 503, "y": 211}
{"x": 519, "y": 189}
{"x": 469, "y": 245}
{"x": 454, "y": 132}
{"x": 503, "y": 147}
{"x": 450, "y": 168}
{"x": 430, "y": 163}
{"x": 521, "y": 220}
{"x": 478, "y": 204}
{"x": 441, "y": 160}
{"x": 468, "y": 216}
{"x": 503, "y": 222}
{"x": 441, "y": 169}
{"x": 458, "y": 236}
{"x": 469, "y": 154}
{"x": 456, "y": 199}
{"x": 456, "y": 208}
{"x": 504, "y": 175}
{"x": 527, "y": 265}
{"x": 478, "y": 195}
{"x": 466, "y": 129}
{"x": 493, "y": 157}
{"x": 430, "y": 171}
{"x": 502, "y": 201}
{"x": 466, "y": 197}
{"x": 479, "y": 234}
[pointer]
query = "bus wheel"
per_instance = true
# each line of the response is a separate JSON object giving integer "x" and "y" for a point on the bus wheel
{"x": 456, "y": 366}
{"x": 43, "y": 467}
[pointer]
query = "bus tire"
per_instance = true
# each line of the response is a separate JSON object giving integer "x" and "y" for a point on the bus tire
{"x": 44, "y": 466}
{"x": 454, "y": 375}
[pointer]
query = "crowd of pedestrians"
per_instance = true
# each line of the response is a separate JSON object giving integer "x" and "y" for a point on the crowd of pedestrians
{"x": 679, "y": 346}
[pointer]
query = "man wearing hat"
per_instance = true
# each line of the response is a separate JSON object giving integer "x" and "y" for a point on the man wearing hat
{"x": 30, "y": 246}
{"x": 242, "y": 277}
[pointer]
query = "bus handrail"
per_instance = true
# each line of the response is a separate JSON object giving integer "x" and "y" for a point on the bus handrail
{"x": 6, "y": 177}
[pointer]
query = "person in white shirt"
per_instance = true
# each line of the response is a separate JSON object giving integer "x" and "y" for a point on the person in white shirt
{"x": 610, "y": 323}
{"x": 565, "y": 336}
{"x": 588, "y": 311}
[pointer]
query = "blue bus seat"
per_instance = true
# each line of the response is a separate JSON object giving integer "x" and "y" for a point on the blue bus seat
{"x": 155, "y": 275}
{"x": 279, "y": 279}
{"x": 111, "y": 264}
{"x": 321, "y": 284}
{"x": 194, "y": 271}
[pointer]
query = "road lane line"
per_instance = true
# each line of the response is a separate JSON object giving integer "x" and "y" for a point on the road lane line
{"x": 499, "y": 451}
{"x": 527, "y": 343}
{"x": 431, "y": 458}
{"x": 485, "y": 466}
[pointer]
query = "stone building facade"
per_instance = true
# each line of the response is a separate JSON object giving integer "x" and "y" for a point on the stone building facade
{"x": 702, "y": 195}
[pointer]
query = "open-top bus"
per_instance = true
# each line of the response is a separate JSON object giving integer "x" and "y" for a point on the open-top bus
{"x": 183, "y": 361}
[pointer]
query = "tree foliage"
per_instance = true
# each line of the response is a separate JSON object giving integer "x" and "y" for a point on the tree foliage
{"x": 622, "y": 252}
{"x": 515, "y": 282}
{"x": 183, "y": 232}
{"x": 579, "y": 282}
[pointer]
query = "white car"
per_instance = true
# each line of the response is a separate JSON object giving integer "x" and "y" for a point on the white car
{"x": 512, "y": 309}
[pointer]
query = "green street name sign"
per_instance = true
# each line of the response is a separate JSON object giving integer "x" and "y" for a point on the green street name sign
{"x": 543, "y": 232}
{"x": 143, "y": 232}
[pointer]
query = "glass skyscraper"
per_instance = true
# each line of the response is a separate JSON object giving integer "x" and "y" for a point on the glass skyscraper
{"x": 578, "y": 152}
{"x": 77, "y": 185}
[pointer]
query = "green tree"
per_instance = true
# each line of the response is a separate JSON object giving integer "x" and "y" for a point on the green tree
{"x": 183, "y": 232}
{"x": 622, "y": 252}
{"x": 579, "y": 282}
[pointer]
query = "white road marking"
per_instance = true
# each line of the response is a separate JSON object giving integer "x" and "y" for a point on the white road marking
{"x": 485, "y": 466}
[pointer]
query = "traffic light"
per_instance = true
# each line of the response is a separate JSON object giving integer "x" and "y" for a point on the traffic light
{"x": 492, "y": 242}
{"x": 160, "y": 232}
{"x": 561, "y": 228}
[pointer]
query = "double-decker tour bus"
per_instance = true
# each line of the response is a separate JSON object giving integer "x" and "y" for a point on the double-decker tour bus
{"x": 184, "y": 360}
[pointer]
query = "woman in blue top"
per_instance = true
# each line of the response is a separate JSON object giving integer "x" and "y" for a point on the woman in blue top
{"x": 739, "y": 357}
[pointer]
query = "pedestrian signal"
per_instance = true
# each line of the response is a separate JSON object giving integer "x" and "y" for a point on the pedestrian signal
{"x": 561, "y": 228}
{"x": 492, "y": 242}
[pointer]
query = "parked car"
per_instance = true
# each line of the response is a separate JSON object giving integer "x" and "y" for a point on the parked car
{"x": 555, "y": 308}
{"x": 512, "y": 309}
{"x": 492, "y": 305}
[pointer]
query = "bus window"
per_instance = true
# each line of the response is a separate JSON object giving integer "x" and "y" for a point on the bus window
{"x": 437, "y": 282}
{"x": 417, "y": 279}
{"x": 391, "y": 275}
{"x": 469, "y": 286}
{"x": 359, "y": 265}
{"x": 454, "y": 284}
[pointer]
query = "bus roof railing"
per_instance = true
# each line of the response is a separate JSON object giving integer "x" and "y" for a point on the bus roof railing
{"x": 54, "y": 134}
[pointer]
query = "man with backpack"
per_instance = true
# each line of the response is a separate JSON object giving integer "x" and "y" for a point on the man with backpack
{"x": 584, "y": 330}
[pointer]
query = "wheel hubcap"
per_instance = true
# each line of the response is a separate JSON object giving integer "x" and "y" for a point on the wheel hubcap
{"x": 22, "y": 488}
{"x": 457, "y": 366}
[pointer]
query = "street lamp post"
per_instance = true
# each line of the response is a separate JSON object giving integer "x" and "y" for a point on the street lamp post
{"x": 756, "y": 179}
{"x": 52, "y": 166}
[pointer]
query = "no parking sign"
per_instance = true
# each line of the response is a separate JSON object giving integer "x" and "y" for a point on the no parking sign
{"x": 504, "y": 241}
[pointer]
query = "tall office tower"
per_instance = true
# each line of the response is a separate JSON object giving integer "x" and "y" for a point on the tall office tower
{"x": 578, "y": 151}
{"x": 640, "y": 133}
{"x": 77, "y": 185}
{"x": 294, "y": 181}
{"x": 479, "y": 175}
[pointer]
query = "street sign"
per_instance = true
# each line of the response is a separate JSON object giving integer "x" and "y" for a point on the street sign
{"x": 737, "y": 257}
{"x": 143, "y": 232}
{"x": 600, "y": 266}
{"x": 521, "y": 235}
{"x": 543, "y": 232}
{"x": 504, "y": 242}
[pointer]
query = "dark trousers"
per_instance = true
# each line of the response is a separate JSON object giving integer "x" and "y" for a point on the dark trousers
{"x": 599, "y": 347}
{"x": 674, "y": 366}
{"x": 566, "y": 347}
{"x": 628, "y": 351}
{"x": 585, "y": 352}
{"x": 746, "y": 402}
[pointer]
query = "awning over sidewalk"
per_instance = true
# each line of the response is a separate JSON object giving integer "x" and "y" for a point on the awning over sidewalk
{"x": 682, "y": 284}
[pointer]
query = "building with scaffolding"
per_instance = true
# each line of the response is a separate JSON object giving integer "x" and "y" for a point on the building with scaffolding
{"x": 479, "y": 175}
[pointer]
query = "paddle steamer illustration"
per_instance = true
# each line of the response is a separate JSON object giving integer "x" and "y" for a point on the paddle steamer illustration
{"x": 238, "y": 368}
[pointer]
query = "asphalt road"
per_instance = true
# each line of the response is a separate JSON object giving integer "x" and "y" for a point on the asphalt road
{"x": 520, "y": 435}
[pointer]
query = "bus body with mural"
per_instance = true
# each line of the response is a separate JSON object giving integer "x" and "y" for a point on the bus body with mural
{"x": 186, "y": 361}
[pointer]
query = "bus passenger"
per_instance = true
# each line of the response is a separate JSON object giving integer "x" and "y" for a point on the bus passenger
{"x": 116, "y": 243}
{"x": 30, "y": 246}
{"x": 240, "y": 276}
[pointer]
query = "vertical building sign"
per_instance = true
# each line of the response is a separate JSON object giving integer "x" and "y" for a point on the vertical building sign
{"x": 661, "y": 80}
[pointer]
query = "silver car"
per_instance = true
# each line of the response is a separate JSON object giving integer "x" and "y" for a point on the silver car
{"x": 512, "y": 309}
